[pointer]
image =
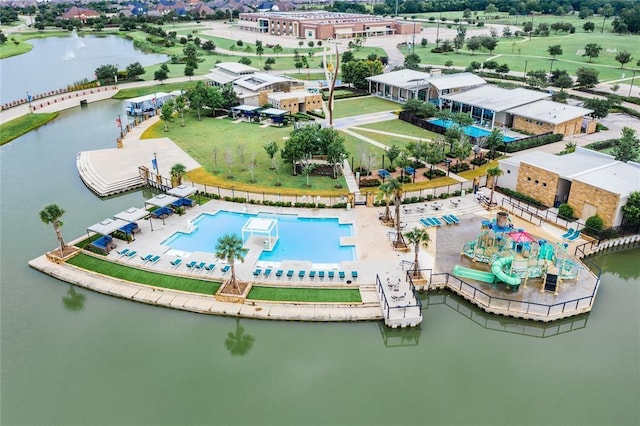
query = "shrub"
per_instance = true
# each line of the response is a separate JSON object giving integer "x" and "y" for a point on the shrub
{"x": 460, "y": 167}
{"x": 522, "y": 197}
{"x": 436, "y": 174}
{"x": 339, "y": 206}
{"x": 594, "y": 223}
{"x": 565, "y": 211}
{"x": 533, "y": 142}
{"x": 368, "y": 183}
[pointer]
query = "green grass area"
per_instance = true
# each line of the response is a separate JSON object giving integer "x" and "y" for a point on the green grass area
{"x": 362, "y": 151}
{"x": 303, "y": 75}
{"x": 148, "y": 90}
{"x": 21, "y": 125}
{"x": 199, "y": 138}
{"x": 402, "y": 128}
{"x": 18, "y": 44}
{"x": 366, "y": 105}
{"x": 478, "y": 171}
{"x": 141, "y": 276}
{"x": 314, "y": 295}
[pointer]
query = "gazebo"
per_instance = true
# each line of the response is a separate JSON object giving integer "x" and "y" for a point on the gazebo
{"x": 262, "y": 226}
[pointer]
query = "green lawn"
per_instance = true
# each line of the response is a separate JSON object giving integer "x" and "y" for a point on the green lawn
{"x": 366, "y": 105}
{"x": 21, "y": 125}
{"x": 400, "y": 127}
{"x": 148, "y": 90}
{"x": 317, "y": 295}
{"x": 362, "y": 151}
{"x": 141, "y": 276}
{"x": 200, "y": 138}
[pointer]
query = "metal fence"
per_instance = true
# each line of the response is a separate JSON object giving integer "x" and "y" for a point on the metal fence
{"x": 387, "y": 308}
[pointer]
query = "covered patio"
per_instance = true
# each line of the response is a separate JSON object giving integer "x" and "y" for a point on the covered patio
{"x": 105, "y": 228}
{"x": 162, "y": 201}
{"x": 278, "y": 116}
{"x": 182, "y": 192}
{"x": 245, "y": 110}
{"x": 131, "y": 216}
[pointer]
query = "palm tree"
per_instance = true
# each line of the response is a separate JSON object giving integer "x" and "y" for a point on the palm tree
{"x": 417, "y": 237}
{"x": 51, "y": 214}
{"x": 493, "y": 173}
{"x": 230, "y": 249}
{"x": 396, "y": 191}
{"x": 238, "y": 343}
{"x": 384, "y": 193}
{"x": 177, "y": 172}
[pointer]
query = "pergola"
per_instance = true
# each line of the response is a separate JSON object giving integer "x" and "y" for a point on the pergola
{"x": 262, "y": 227}
{"x": 182, "y": 191}
{"x": 246, "y": 110}
{"x": 107, "y": 226}
{"x": 276, "y": 115}
{"x": 161, "y": 200}
{"x": 132, "y": 215}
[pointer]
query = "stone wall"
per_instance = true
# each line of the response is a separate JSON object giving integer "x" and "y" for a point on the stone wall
{"x": 538, "y": 183}
{"x": 531, "y": 127}
{"x": 606, "y": 202}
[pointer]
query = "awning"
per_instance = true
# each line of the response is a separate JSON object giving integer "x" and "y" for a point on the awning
{"x": 161, "y": 200}
{"x": 132, "y": 214}
{"x": 107, "y": 226}
{"x": 521, "y": 237}
{"x": 182, "y": 191}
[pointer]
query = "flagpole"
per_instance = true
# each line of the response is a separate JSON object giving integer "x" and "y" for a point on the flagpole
{"x": 29, "y": 100}
{"x": 156, "y": 163}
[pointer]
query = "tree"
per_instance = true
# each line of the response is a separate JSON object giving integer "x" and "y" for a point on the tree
{"x": 190, "y": 52}
{"x": 238, "y": 343}
{"x": 563, "y": 81}
{"x": 229, "y": 96}
{"x": 298, "y": 64}
{"x": 434, "y": 155}
{"x": 336, "y": 152}
{"x": 106, "y": 72}
{"x": 537, "y": 78}
{"x": 587, "y": 77}
{"x": 181, "y": 106}
{"x": 589, "y": 27}
{"x": 177, "y": 172}
{"x": 51, "y": 214}
{"x": 161, "y": 75}
{"x": 277, "y": 49}
{"x": 166, "y": 114}
{"x": 209, "y": 46}
{"x": 494, "y": 141}
{"x": 623, "y": 57}
{"x": 628, "y": 146}
{"x": 418, "y": 237}
{"x": 474, "y": 43}
{"x": 259, "y": 49}
{"x": 412, "y": 61}
{"x": 592, "y": 50}
{"x": 503, "y": 69}
{"x": 554, "y": 50}
{"x": 600, "y": 107}
{"x": 493, "y": 173}
{"x": 631, "y": 209}
{"x": 272, "y": 149}
{"x": 307, "y": 170}
{"x": 385, "y": 192}
{"x": 392, "y": 153}
{"x": 424, "y": 42}
{"x": 196, "y": 97}
{"x": 396, "y": 189}
{"x": 134, "y": 71}
{"x": 245, "y": 60}
{"x": 348, "y": 56}
{"x": 230, "y": 248}
{"x": 489, "y": 43}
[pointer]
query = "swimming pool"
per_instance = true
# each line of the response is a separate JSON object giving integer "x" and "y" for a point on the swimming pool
{"x": 308, "y": 239}
{"x": 473, "y": 131}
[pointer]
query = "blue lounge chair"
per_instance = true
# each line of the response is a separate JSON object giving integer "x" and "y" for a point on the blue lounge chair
{"x": 225, "y": 268}
{"x": 192, "y": 264}
{"x": 290, "y": 273}
{"x": 575, "y": 235}
{"x": 146, "y": 258}
{"x": 122, "y": 252}
{"x": 154, "y": 259}
{"x": 257, "y": 272}
{"x": 436, "y": 221}
{"x": 210, "y": 267}
{"x": 425, "y": 222}
{"x": 131, "y": 253}
{"x": 312, "y": 274}
{"x": 331, "y": 274}
{"x": 267, "y": 272}
{"x": 176, "y": 262}
{"x": 354, "y": 274}
{"x": 569, "y": 233}
{"x": 454, "y": 218}
{"x": 301, "y": 273}
{"x": 279, "y": 273}
{"x": 341, "y": 275}
{"x": 200, "y": 265}
{"x": 448, "y": 219}
{"x": 321, "y": 274}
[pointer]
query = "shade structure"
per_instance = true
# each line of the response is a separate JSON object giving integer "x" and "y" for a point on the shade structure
{"x": 132, "y": 214}
{"x": 161, "y": 200}
{"x": 107, "y": 226}
{"x": 521, "y": 237}
{"x": 182, "y": 191}
{"x": 266, "y": 227}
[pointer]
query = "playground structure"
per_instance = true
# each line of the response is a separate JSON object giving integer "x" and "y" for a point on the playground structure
{"x": 515, "y": 256}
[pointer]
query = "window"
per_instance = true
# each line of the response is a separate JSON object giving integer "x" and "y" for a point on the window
{"x": 536, "y": 182}
{"x": 544, "y": 183}
{"x": 528, "y": 179}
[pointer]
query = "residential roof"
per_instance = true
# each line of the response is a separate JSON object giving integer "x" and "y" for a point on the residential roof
{"x": 550, "y": 112}
{"x": 451, "y": 81}
{"x": 245, "y": 108}
{"x": 221, "y": 77}
{"x": 275, "y": 111}
{"x": 620, "y": 178}
{"x": 496, "y": 98}
{"x": 567, "y": 166}
{"x": 260, "y": 80}
{"x": 403, "y": 78}
{"x": 300, "y": 94}
{"x": 145, "y": 98}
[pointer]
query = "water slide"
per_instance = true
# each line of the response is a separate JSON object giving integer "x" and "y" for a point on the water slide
{"x": 496, "y": 268}
{"x": 474, "y": 274}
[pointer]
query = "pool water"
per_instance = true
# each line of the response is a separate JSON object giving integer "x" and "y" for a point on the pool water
{"x": 307, "y": 239}
{"x": 473, "y": 131}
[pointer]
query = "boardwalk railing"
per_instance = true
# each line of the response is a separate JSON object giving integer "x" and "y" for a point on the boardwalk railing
{"x": 510, "y": 306}
{"x": 386, "y": 306}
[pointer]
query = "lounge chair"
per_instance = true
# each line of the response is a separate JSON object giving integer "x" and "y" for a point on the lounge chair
{"x": 200, "y": 265}
{"x": 176, "y": 262}
{"x": 321, "y": 274}
{"x": 122, "y": 252}
{"x": 331, "y": 274}
{"x": 146, "y": 258}
{"x": 131, "y": 253}
{"x": 312, "y": 274}
{"x": 257, "y": 272}
{"x": 301, "y": 273}
{"x": 341, "y": 274}
{"x": 290, "y": 273}
{"x": 192, "y": 264}
{"x": 447, "y": 219}
{"x": 354, "y": 274}
{"x": 279, "y": 273}
{"x": 154, "y": 259}
{"x": 575, "y": 235}
{"x": 210, "y": 267}
{"x": 436, "y": 221}
{"x": 454, "y": 218}
{"x": 225, "y": 268}
{"x": 267, "y": 272}
{"x": 569, "y": 233}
